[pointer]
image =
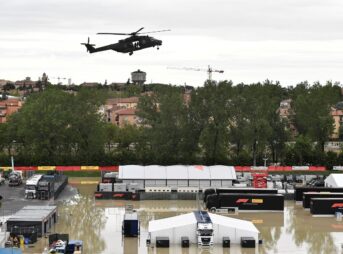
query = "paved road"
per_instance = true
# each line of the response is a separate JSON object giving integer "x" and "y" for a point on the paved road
{"x": 13, "y": 198}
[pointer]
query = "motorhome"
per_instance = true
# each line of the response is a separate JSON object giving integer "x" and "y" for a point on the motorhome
{"x": 31, "y": 186}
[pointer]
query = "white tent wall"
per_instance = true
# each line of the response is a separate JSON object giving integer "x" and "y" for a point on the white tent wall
{"x": 175, "y": 234}
{"x": 234, "y": 234}
{"x": 216, "y": 183}
{"x": 219, "y": 232}
{"x": 226, "y": 183}
{"x": 178, "y": 176}
{"x": 334, "y": 181}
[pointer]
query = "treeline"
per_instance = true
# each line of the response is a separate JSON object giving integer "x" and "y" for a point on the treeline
{"x": 218, "y": 124}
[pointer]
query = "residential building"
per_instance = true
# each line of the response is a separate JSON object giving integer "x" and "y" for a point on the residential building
{"x": 114, "y": 110}
{"x": 126, "y": 117}
{"x": 24, "y": 84}
{"x": 337, "y": 115}
{"x": 286, "y": 113}
{"x": 8, "y": 107}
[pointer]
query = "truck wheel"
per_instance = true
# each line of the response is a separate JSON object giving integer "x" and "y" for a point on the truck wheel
{"x": 213, "y": 210}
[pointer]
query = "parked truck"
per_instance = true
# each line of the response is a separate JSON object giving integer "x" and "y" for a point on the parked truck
{"x": 15, "y": 178}
{"x": 204, "y": 229}
{"x": 31, "y": 187}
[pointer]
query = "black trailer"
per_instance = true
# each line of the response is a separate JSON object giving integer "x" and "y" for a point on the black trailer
{"x": 239, "y": 190}
{"x": 245, "y": 201}
{"x": 326, "y": 206}
{"x": 307, "y": 196}
{"x": 45, "y": 189}
{"x": 299, "y": 191}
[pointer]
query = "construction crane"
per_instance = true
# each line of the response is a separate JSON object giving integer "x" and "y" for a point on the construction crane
{"x": 58, "y": 79}
{"x": 209, "y": 70}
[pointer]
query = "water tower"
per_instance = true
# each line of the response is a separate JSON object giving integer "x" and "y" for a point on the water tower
{"x": 138, "y": 77}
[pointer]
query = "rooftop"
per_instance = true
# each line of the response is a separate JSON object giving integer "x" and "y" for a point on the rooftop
{"x": 33, "y": 213}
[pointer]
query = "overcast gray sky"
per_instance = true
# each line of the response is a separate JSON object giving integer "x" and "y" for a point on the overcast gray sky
{"x": 251, "y": 40}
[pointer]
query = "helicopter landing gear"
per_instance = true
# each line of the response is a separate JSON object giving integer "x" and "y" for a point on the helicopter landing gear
{"x": 130, "y": 53}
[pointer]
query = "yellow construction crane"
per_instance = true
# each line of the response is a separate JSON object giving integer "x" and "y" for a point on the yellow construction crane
{"x": 209, "y": 70}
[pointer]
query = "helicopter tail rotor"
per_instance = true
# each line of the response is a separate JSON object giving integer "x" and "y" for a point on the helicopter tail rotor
{"x": 90, "y": 47}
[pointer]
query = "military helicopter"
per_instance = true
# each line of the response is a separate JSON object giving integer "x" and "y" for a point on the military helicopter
{"x": 135, "y": 42}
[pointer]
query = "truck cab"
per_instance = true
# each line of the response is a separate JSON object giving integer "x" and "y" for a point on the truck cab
{"x": 15, "y": 178}
{"x": 204, "y": 228}
{"x": 31, "y": 186}
{"x": 205, "y": 234}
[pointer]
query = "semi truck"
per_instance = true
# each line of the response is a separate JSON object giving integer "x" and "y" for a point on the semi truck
{"x": 15, "y": 178}
{"x": 31, "y": 186}
{"x": 228, "y": 202}
{"x": 238, "y": 190}
{"x": 204, "y": 229}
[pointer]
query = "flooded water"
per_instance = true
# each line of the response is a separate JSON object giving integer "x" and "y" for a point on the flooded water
{"x": 98, "y": 224}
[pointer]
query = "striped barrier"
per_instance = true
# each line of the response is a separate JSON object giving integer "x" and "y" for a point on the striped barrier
{"x": 62, "y": 168}
{"x": 116, "y": 168}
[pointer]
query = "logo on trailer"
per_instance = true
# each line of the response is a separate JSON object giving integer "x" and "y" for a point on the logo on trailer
{"x": 337, "y": 205}
{"x": 118, "y": 195}
{"x": 242, "y": 200}
{"x": 257, "y": 200}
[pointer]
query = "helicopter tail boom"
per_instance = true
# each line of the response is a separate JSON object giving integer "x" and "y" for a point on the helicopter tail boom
{"x": 90, "y": 47}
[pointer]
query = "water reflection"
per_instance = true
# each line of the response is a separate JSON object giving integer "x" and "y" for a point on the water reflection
{"x": 82, "y": 220}
{"x": 312, "y": 231}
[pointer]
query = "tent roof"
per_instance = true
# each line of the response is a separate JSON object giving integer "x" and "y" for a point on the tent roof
{"x": 233, "y": 223}
{"x": 199, "y": 172}
{"x": 196, "y": 172}
{"x": 189, "y": 219}
{"x": 131, "y": 172}
{"x": 172, "y": 222}
{"x": 222, "y": 172}
{"x": 33, "y": 213}
{"x": 177, "y": 172}
{"x": 155, "y": 172}
{"x": 335, "y": 179}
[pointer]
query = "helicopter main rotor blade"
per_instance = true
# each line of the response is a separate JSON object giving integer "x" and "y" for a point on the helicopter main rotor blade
{"x": 113, "y": 33}
{"x": 140, "y": 29}
{"x": 156, "y": 31}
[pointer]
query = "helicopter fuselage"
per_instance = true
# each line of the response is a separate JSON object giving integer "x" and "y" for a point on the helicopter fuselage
{"x": 129, "y": 45}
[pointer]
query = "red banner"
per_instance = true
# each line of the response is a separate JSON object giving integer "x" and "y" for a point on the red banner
{"x": 109, "y": 168}
{"x": 68, "y": 168}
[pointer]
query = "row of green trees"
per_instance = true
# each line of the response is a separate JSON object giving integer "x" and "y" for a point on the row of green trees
{"x": 220, "y": 124}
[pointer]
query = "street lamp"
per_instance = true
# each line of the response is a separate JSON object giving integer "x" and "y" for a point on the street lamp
{"x": 12, "y": 158}
{"x": 254, "y": 152}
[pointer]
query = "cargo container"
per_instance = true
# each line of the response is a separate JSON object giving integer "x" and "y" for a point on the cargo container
{"x": 162, "y": 242}
{"x": 248, "y": 242}
{"x": 45, "y": 189}
{"x": 130, "y": 225}
{"x": 299, "y": 191}
{"x": 106, "y": 187}
{"x": 239, "y": 190}
{"x": 225, "y": 202}
{"x": 326, "y": 206}
{"x": 119, "y": 187}
{"x": 307, "y": 196}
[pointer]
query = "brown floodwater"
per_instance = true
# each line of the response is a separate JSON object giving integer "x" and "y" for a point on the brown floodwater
{"x": 98, "y": 224}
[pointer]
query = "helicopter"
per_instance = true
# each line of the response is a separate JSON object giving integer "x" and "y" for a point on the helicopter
{"x": 135, "y": 42}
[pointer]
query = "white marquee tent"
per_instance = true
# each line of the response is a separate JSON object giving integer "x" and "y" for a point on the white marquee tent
{"x": 178, "y": 175}
{"x": 185, "y": 225}
{"x": 334, "y": 181}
